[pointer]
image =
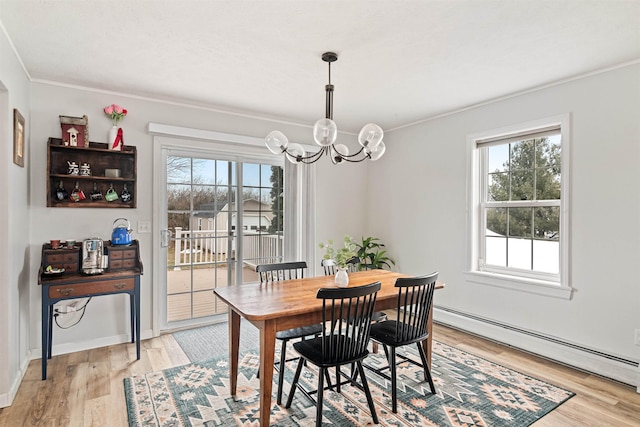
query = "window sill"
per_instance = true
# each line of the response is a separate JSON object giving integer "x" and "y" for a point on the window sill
{"x": 521, "y": 284}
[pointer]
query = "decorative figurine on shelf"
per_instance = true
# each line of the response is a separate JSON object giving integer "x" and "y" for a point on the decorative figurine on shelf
{"x": 75, "y": 131}
{"x": 85, "y": 169}
{"x": 73, "y": 168}
{"x": 115, "y": 113}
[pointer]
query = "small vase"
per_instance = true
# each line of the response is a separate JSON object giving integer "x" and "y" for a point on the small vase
{"x": 342, "y": 278}
{"x": 113, "y": 142}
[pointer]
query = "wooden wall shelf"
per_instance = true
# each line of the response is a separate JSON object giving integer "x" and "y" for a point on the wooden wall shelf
{"x": 100, "y": 158}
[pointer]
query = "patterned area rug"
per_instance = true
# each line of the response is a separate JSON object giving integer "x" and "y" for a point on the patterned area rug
{"x": 470, "y": 391}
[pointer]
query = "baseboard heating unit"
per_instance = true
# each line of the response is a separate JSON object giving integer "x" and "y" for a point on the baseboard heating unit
{"x": 571, "y": 354}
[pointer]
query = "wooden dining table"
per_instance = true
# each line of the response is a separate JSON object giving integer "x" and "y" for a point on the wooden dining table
{"x": 281, "y": 305}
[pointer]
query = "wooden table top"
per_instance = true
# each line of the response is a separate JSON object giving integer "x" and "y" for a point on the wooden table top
{"x": 263, "y": 301}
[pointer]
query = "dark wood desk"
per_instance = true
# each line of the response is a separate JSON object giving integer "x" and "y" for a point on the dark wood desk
{"x": 122, "y": 276}
{"x": 288, "y": 304}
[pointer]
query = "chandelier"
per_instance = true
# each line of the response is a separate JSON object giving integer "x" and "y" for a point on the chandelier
{"x": 325, "y": 133}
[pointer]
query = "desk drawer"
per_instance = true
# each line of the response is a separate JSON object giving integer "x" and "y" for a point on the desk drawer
{"x": 122, "y": 263}
{"x": 91, "y": 288}
{"x": 62, "y": 258}
{"x": 120, "y": 254}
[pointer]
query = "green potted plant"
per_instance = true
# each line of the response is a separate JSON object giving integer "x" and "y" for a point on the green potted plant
{"x": 341, "y": 256}
{"x": 372, "y": 255}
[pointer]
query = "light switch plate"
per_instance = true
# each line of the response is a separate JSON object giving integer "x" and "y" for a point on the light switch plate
{"x": 144, "y": 226}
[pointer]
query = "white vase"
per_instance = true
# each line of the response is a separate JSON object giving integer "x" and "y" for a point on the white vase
{"x": 113, "y": 133}
{"x": 342, "y": 278}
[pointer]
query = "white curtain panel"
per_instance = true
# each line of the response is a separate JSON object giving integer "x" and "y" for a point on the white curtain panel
{"x": 300, "y": 214}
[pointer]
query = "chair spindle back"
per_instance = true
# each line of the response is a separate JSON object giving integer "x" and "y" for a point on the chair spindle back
{"x": 331, "y": 266}
{"x": 415, "y": 295}
{"x": 346, "y": 320}
{"x": 281, "y": 271}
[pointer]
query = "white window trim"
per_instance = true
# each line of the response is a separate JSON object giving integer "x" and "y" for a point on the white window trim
{"x": 539, "y": 286}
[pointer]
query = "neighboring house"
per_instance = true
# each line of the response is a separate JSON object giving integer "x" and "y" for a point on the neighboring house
{"x": 256, "y": 216}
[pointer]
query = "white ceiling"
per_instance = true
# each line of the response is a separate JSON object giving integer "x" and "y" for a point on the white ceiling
{"x": 399, "y": 61}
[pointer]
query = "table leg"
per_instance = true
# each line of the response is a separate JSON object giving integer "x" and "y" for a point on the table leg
{"x": 267, "y": 356}
{"x": 234, "y": 345}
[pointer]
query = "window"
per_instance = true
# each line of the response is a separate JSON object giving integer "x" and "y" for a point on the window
{"x": 519, "y": 218}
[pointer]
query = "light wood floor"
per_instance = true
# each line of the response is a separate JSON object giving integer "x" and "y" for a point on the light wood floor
{"x": 86, "y": 388}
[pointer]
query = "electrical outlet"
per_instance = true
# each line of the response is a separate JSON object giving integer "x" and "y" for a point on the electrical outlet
{"x": 637, "y": 336}
{"x": 68, "y": 308}
{"x": 63, "y": 309}
{"x": 144, "y": 226}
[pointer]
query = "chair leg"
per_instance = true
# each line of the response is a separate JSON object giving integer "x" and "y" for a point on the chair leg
{"x": 367, "y": 392}
{"x": 386, "y": 351}
{"x": 338, "y": 379}
{"x": 294, "y": 383}
{"x": 354, "y": 372}
{"x": 374, "y": 347}
{"x": 328, "y": 378}
{"x": 427, "y": 371}
{"x": 394, "y": 392}
{"x": 283, "y": 360}
{"x": 320, "y": 397}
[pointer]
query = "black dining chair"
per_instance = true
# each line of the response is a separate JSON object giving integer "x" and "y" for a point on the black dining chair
{"x": 330, "y": 267}
{"x": 285, "y": 271}
{"x": 415, "y": 297}
{"x": 346, "y": 323}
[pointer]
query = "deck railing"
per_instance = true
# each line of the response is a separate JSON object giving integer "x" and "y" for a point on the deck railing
{"x": 199, "y": 247}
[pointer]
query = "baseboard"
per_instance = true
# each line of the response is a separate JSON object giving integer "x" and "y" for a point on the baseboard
{"x": 6, "y": 399}
{"x": 87, "y": 345}
{"x": 600, "y": 363}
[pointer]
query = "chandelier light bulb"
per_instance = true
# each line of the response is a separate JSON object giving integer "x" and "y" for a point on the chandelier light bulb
{"x": 295, "y": 152}
{"x": 370, "y": 136}
{"x": 325, "y": 132}
{"x": 277, "y": 142}
{"x": 379, "y": 151}
{"x": 339, "y": 151}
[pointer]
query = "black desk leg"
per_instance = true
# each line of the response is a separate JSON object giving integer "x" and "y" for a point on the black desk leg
{"x": 132, "y": 310}
{"x": 137, "y": 304}
{"x": 49, "y": 350}
{"x": 45, "y": 330}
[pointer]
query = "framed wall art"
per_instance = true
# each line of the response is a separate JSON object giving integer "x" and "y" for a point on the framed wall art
{"x": 18, "y": 138}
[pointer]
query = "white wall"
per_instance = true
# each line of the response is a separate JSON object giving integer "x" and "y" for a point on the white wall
{"x": 14, "y": 227}
{"x": 339, "y": 197}
{"x": 418, "y": 195}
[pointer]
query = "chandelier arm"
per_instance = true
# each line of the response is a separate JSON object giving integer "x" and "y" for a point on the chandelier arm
{"x": 350, "y": 157}
{"x": 311, "y": 158}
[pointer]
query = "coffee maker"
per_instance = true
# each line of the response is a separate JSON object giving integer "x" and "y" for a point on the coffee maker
{"x": 92, "y": 256}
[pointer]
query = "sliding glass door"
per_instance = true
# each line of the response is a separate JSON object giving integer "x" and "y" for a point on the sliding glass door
{"x": 223, "y": 217}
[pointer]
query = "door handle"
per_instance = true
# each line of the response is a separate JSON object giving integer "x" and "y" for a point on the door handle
{"x": 165, "y": 238}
